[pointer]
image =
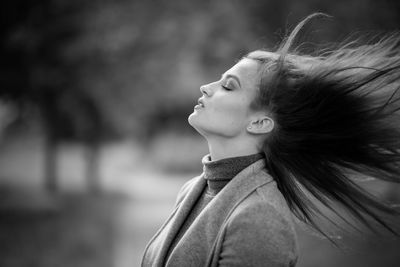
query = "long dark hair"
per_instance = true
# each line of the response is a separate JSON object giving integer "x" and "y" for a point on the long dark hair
{"x": 336, "y": 115}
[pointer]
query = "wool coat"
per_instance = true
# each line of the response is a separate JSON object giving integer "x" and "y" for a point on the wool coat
{"x": 248, "y": 223}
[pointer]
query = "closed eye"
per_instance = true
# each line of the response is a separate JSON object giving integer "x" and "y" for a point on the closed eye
{"x": 226, "y": 88}
{"x": 229, "y": 78}
{"x": 227, "y": 84}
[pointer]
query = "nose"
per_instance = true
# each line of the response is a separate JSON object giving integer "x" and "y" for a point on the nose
{"x": 205, "y": 90}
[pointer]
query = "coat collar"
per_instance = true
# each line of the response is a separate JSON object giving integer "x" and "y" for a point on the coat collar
{"x": 213, "y": 215}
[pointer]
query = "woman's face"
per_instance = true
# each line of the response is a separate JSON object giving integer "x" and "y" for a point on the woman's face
{"x": 226, "y": 103}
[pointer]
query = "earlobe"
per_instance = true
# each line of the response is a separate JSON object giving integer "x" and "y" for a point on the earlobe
{"x": 261, "y": 126}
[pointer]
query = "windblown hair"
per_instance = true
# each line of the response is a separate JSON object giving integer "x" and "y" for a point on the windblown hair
{"x": 336, "y": 116}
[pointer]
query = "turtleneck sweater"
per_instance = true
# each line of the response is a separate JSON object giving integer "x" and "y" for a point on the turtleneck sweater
{"x": 217, "y": 173}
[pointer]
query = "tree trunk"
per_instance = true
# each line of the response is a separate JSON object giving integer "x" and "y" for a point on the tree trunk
{"x": 50, "y": 164}
{"x": 92, "y": 167}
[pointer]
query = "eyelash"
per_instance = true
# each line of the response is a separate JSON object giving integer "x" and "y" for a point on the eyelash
{"x": 226, "y": 88}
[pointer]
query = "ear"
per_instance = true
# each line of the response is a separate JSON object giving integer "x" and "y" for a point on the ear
{"x": 261, "y": 125}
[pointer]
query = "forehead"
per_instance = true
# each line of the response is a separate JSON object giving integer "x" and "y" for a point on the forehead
{"x": 247, "y": 70}
{"x": 262, "y": 54}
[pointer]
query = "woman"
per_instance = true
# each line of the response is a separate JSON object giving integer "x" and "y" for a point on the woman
{"x": 277, "y": 125}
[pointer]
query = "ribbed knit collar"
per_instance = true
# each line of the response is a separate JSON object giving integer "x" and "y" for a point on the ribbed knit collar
{"x": 219, "y": 172}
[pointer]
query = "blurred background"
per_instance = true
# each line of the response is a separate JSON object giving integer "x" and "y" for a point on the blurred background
{"x": 94, "y": 100}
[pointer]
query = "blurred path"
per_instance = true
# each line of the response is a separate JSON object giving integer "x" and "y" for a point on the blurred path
{"x": 150, "y": 196}
{"x": 150, "y": 202}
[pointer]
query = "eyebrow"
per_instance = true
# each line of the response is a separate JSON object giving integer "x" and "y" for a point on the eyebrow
{"x": 234, "y": 77}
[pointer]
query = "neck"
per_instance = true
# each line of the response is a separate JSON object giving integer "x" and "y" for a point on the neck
{"x": 227, "y": 148}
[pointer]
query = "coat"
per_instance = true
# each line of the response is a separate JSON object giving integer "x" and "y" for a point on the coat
{"x": 248, "y": 223}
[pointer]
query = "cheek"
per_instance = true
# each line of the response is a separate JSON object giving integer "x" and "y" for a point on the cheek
{"x": 232, "y": 110}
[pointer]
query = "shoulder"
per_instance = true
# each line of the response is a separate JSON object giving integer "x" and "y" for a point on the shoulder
{"x": 264, "y": 207}
{"x": 266, "y": 210}
{"x": 262, "y": 226}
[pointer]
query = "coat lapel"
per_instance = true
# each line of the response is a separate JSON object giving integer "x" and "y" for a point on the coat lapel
{"x": 196, "y": 244}
{"x": 163, "y": 238}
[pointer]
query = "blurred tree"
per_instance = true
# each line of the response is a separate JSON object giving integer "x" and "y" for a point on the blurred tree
{"x": 35, "y": 72}
{"x": 126, "y": 68}
{"x": 150, "y": 57}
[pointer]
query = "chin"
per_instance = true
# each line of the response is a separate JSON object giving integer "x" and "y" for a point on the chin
{"x": 191, "y": 119}
{"x": 194, "y": 122}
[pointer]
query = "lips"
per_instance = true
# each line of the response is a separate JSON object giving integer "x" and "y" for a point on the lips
{"x": 201, "y": 103}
